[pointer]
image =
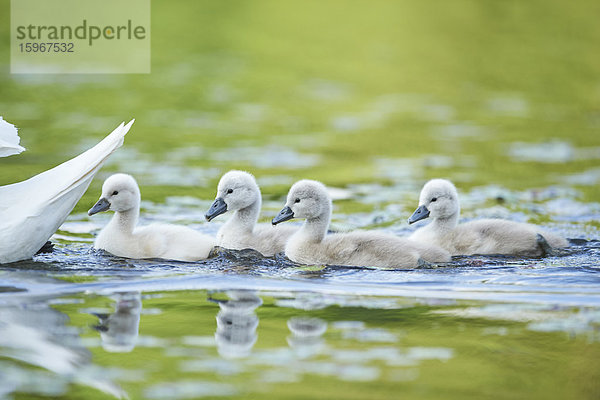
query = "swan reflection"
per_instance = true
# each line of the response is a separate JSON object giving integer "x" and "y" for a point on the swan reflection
{"x": 237, "y": 323}
{"x": 40, "y": 353}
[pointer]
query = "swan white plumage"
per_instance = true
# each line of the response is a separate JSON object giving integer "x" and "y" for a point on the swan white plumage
{"x": 9, "y": 139}
{"x": 238, "y": 192}
{"x": 312, "y": 245}
{"x": 439, "y": 201}
{"x": 121, "y": 236}
{"x": 32, "y": 210}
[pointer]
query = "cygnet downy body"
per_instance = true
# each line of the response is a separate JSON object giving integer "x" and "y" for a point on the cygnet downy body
{"x": 312, "y": 245}
{"x": 121, "y": 236}
{"x": 238, "y": 192}
{"x": 439, "y": 201}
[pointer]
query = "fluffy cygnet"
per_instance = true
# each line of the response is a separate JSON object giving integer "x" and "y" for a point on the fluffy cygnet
{"x": 439, "y": 201}
{"x": 312, "y": 245}
{"x": 238, "y": 192}
{"x": 121, "y": 237}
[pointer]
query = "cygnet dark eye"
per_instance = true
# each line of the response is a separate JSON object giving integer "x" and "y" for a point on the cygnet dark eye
{"x": 434, "y": 199}
{"x": 229, "y": 191}
{"x": 297, "y": 201}
{"x": 115, "y": 193}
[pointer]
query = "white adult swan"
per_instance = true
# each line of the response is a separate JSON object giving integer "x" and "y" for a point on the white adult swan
{"x": 9, "y": 139}
{"x": 238, "y": 192}
{"x": 312, "y": 245}
{"x": 439, "y": 201}
{"x": 32, "y": 210}
{"x": 121, "y": 237}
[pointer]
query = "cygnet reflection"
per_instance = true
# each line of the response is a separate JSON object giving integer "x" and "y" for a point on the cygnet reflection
{"x": 307, "y": 336}
{"x": 237, "y": 323}
{"x": 119, "y": 331}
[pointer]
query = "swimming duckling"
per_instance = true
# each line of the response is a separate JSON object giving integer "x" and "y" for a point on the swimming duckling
{"x": 439, "y": 200}
{"x": 238, "y": 192}
{"x": 312, "y": 245}
{"x": 121, "y": 237}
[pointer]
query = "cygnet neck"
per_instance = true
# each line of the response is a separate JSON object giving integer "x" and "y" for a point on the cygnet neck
{"x": 126, "y": 221}
{"x": 446, "y": 224}
{"x": 316, "y": 228}
{"x": 246, "y": 218}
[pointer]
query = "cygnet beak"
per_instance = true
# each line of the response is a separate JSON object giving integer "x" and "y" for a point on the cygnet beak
{"x": 420, "y": 213}
{"x": 217, "y": 208}
{"x": 101, "y": 205}
{"x": 284, "y": 215}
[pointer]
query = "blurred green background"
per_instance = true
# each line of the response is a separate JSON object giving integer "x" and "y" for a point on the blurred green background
{"x": 347, "y": 92}
{"x": 375, "y": 96}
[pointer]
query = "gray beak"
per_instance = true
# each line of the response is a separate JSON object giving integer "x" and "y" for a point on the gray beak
{"x": 284, "y": 215}
{"x": 101, "y": 205}
{"x": 420, "y": 213}
{"x": 217, "y": 208}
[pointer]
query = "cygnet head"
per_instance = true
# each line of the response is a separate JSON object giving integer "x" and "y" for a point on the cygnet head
{"x": 439, "y": 199}
{"x": 120, "y": 193}
{"x": 306, "y": 199}
{"x": 236, "y": 191}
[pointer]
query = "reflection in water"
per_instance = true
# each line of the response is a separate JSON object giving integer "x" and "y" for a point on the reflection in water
{"x": 237, "y": 323}
{"x": 307, "y": 336}
{"x": 119, "y": 330}
{"x": 40, "y": 354}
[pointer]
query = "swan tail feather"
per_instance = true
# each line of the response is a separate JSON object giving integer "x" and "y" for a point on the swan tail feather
{"x": 56, "y": 182}
{"x": 9, "y": 139}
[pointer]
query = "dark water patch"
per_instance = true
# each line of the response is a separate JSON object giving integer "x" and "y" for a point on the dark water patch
{"x": 11, "y": 289}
